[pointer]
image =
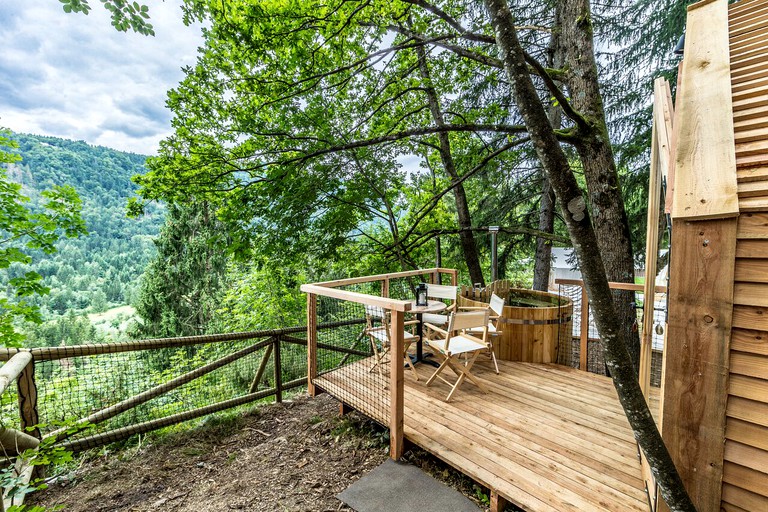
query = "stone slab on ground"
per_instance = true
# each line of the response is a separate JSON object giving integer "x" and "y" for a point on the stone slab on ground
{"x": 401, "y": 487}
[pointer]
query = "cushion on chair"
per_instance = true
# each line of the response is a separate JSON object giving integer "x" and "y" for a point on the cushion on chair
{"x": 458, "y": 345}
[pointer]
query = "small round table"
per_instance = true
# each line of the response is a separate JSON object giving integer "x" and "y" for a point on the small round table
{"x": 433, "y": 306}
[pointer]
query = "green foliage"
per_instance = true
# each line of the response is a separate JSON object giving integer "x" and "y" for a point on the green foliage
{"x": 125, "y": 14}
{"x": 25, "y": 232}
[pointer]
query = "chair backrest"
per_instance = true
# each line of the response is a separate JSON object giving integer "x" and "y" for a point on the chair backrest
{"x": 497, "y": 304}
{"x": 442, "y": 291}
{"x": 468, "y": 320}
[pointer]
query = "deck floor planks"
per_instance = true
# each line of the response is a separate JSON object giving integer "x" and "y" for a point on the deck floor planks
{"x": 545, "y": 437}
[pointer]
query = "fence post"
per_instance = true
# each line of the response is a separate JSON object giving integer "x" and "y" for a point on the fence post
{"x": 311, "y": 343}
{"x": 385, "y": 288}
{"x": 28, "y": 400}
{"x": 278, "y": 371}
{"x": 584, "y": 334}
{"x": 396, "y": 397}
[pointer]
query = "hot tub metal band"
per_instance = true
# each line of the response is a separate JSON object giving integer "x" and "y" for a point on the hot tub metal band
{"x": 518, "y": 321}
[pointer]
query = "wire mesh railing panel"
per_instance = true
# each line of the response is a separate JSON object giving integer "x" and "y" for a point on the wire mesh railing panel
{"x": 9, "y": 407}
{"x": 568, "y": 344}
{"x": 357, "y": 372}
{"x": 570, "y": 347}
{"x": 74, "y": 388}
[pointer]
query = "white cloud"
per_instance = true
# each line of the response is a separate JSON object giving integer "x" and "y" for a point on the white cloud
{"x": 74, "y": 76}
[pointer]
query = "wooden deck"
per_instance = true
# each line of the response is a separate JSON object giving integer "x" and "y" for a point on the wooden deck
{"x": 545, "y": 437}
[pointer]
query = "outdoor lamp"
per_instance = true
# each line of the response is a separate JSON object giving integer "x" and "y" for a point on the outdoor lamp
{"x": 421, "y": 294}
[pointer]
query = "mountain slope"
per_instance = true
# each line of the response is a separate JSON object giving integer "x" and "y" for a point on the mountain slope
{"x": 101, "y": 269}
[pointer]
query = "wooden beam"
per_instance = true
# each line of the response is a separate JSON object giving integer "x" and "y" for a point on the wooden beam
{"x": 584, "y": 329}
{"x": 28, "y": 400}
{"x": 397, "y": 396}
{"x": 659, "y": 163}
{"x": 498, "y": 502}
{"x": 697, "y": 353}
{"x": 705, "y": 162}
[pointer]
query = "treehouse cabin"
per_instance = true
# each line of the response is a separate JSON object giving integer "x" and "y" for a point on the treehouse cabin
{"x": 548, "y": 436}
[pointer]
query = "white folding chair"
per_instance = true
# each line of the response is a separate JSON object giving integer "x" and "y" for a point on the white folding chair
{"x": 442, "y": 292}
{"x": 449, "y": 344}
{"x": 380, "y": 338}
{"x": 497, "y": 308}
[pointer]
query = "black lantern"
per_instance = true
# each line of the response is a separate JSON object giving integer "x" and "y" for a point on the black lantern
{"x": 421, "y": 294}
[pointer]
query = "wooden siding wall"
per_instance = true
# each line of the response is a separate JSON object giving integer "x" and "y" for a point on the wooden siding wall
{"x": 704, "y": 224}
{"x": 745, "y": 465}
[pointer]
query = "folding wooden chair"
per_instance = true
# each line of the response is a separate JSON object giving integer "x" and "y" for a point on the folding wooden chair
{"x": 442, "y": 292}
{"x": 380, "y": 338}
{"x": 497, "y": 308}
{"x": 449, "y": 344}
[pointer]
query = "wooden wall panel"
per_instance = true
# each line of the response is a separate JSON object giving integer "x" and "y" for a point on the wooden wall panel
{"x": 705, "y": 158}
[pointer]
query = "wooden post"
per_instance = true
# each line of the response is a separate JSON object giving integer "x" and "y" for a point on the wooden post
{"x": 651, "y": 254}
{"x": 344, "y": 409}
{"x": 385, "y": 287}
{"x": 311, "y": 343}
{"x": 28, "y": 400}
{"x": 396, "y": 397}
{"x": 278, "y": 371}
{"x": 498, "y": 503}
{"x": 584, "y": 334}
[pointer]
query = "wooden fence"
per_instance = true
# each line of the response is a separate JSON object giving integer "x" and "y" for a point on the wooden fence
{"x": 21, "y": 365}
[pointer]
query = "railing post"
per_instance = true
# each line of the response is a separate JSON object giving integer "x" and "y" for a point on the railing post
{"x": 385, "y": 288}
{"x": 278, "y": 371}
{"x": 584, "y": 334}
{"x": 311, "y": 343}
{"x": 28, "y": 400}
{"x": 396, "y": 397}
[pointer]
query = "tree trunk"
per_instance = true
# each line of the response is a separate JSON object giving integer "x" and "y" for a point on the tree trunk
{"x": 467, "y": 237}
{"x": 585, "y": 242}
{"x": 573, "y": 18}
{"x": 543, "y": 263}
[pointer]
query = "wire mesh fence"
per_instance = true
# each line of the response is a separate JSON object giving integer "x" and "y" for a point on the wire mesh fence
{"x": 104, "y": 393}
{"x": 570, "y": 348}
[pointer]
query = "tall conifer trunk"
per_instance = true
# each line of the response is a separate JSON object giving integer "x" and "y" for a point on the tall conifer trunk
{"x": 573, "y": 19}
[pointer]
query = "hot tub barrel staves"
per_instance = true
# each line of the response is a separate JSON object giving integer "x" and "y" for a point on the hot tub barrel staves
{"x": 531, "y": 325}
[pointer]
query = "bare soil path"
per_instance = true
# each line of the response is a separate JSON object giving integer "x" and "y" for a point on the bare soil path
{"x": 294, "y": 456}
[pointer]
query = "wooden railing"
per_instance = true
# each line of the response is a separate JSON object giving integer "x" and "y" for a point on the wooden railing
{"x": 398, "y": 308}
{"x": 271, "y": 342}
{"x": 12, "y": 441}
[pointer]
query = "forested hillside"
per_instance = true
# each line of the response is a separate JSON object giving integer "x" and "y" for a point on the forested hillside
{"x": 101, "y": 269}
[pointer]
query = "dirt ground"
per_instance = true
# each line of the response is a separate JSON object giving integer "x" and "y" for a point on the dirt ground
{"x": 295, "y": 456}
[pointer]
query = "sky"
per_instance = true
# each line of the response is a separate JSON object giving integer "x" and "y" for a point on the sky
{"x": 74, "y": 76}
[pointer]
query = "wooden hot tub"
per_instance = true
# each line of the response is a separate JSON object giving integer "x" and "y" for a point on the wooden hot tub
{"x": 531, "y": 325}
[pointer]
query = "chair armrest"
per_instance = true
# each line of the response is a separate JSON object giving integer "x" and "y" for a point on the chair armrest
{"x": 433, "y": 327}
{"x": 411, "y": 322}
{"x": 473, "y": 338}
{"x": 452, "y": 307}
{"x": 472, "y": 308}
